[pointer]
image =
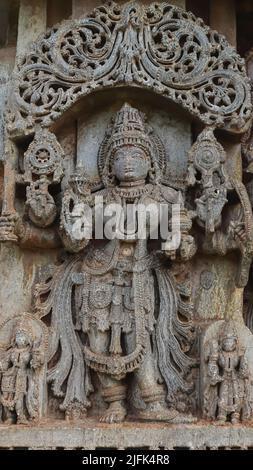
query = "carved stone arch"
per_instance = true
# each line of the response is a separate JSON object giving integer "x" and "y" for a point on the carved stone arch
{"x": 161, "y": 47}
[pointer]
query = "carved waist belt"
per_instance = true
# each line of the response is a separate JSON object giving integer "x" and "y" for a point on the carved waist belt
{"x": 116, "y": 364}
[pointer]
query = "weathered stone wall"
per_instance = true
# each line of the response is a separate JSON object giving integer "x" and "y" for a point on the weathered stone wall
{"x": 217, "y": 295}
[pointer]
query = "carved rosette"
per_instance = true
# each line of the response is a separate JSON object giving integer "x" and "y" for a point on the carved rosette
{"x": 207, "y": 155}
{"x": 160, "y": 47}
{"x": 42, "y": 167}
{"x": 43, "y": 157}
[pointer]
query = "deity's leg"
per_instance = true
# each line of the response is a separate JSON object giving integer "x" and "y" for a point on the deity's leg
{"x": 222, "y": 415}
{"x": 152, "y": 393}
{"x": 21, "y": 417}
{"x": 222, "y": 403}
{"x": 8, "y": 416}
{"x": 236, "y": 414}
{"x": 235, "y": 418}
{"x": 113, "y": 391}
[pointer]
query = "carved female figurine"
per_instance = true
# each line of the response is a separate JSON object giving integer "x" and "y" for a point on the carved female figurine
{"x": 17, "y": 366}
{"x": 228, "y": 379}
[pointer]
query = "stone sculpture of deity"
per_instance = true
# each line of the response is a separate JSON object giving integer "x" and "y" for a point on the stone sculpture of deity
{"x": 125, "y": 297}
{"x": 126, "y": 300}
{"x": 228, "y": 379}
{"x": 19, "y": 363}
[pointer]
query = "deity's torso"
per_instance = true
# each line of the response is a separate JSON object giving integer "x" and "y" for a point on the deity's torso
{"x": 109, "y": 270}
{"x": 229, "y": 361}
{"x": 15, "y": 378}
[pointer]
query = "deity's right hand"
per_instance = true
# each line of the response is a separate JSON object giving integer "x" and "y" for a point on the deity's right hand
{"x": 76, "y": 231}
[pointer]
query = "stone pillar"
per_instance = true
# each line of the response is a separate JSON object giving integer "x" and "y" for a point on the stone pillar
{"x": 10, "y": 165}
{"x": 4, "y": 77}
{"x": 82, "y": 7}
{"x": 32, "y": 22}
{"x": 4, "y": 22}
{"x": 223, "y": 18}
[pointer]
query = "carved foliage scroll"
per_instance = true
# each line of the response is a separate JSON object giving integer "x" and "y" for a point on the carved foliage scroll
{"x": 160, "y": 47}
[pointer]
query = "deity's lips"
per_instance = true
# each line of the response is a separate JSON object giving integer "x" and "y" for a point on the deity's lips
{"x": 129, "y": 168}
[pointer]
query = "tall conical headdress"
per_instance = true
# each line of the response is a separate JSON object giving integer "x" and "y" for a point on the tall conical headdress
{"x": 229, "y": 330}
{"x": 129, "y": 129}
{"x": 23, "y": 326}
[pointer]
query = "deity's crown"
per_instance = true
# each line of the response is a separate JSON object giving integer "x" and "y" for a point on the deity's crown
{"x": 23, "y": 327}
{"x": 129, "y": 129}
{"x": 229, "y": 331}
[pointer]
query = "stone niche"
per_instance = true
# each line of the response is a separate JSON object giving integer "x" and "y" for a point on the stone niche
{"x": 137, "y": 104}
{"x": 168, "y": 121}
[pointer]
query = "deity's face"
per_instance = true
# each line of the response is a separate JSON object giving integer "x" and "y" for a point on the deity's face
{"x": 229, "y": 344}
{"x": 130, "y": 164}
{"x": 21, "y": 339}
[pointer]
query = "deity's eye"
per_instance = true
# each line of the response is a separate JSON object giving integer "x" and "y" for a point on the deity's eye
{"x": 139, "y": 153}
{"x": 118, "y": 156}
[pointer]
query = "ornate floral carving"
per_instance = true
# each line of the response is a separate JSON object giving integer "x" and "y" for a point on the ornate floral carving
{"x": 160, "y": 47}
{"x": 206, "y": 173}
{"x": 247, "y": 138}
{"x": 43, "y": 157}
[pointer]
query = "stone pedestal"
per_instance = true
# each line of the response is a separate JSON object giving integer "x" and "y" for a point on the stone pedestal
{"x": 91, "y": 436}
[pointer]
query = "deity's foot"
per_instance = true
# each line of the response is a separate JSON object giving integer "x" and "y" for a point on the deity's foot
{"x": 8, "y": 421}
{"x": 235, "y": 418}
{"x": 115, "y": 413}
{"x": 158, "y": 412}
{"x": 221, "y": 421}
{"x": 22, "y": 420}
